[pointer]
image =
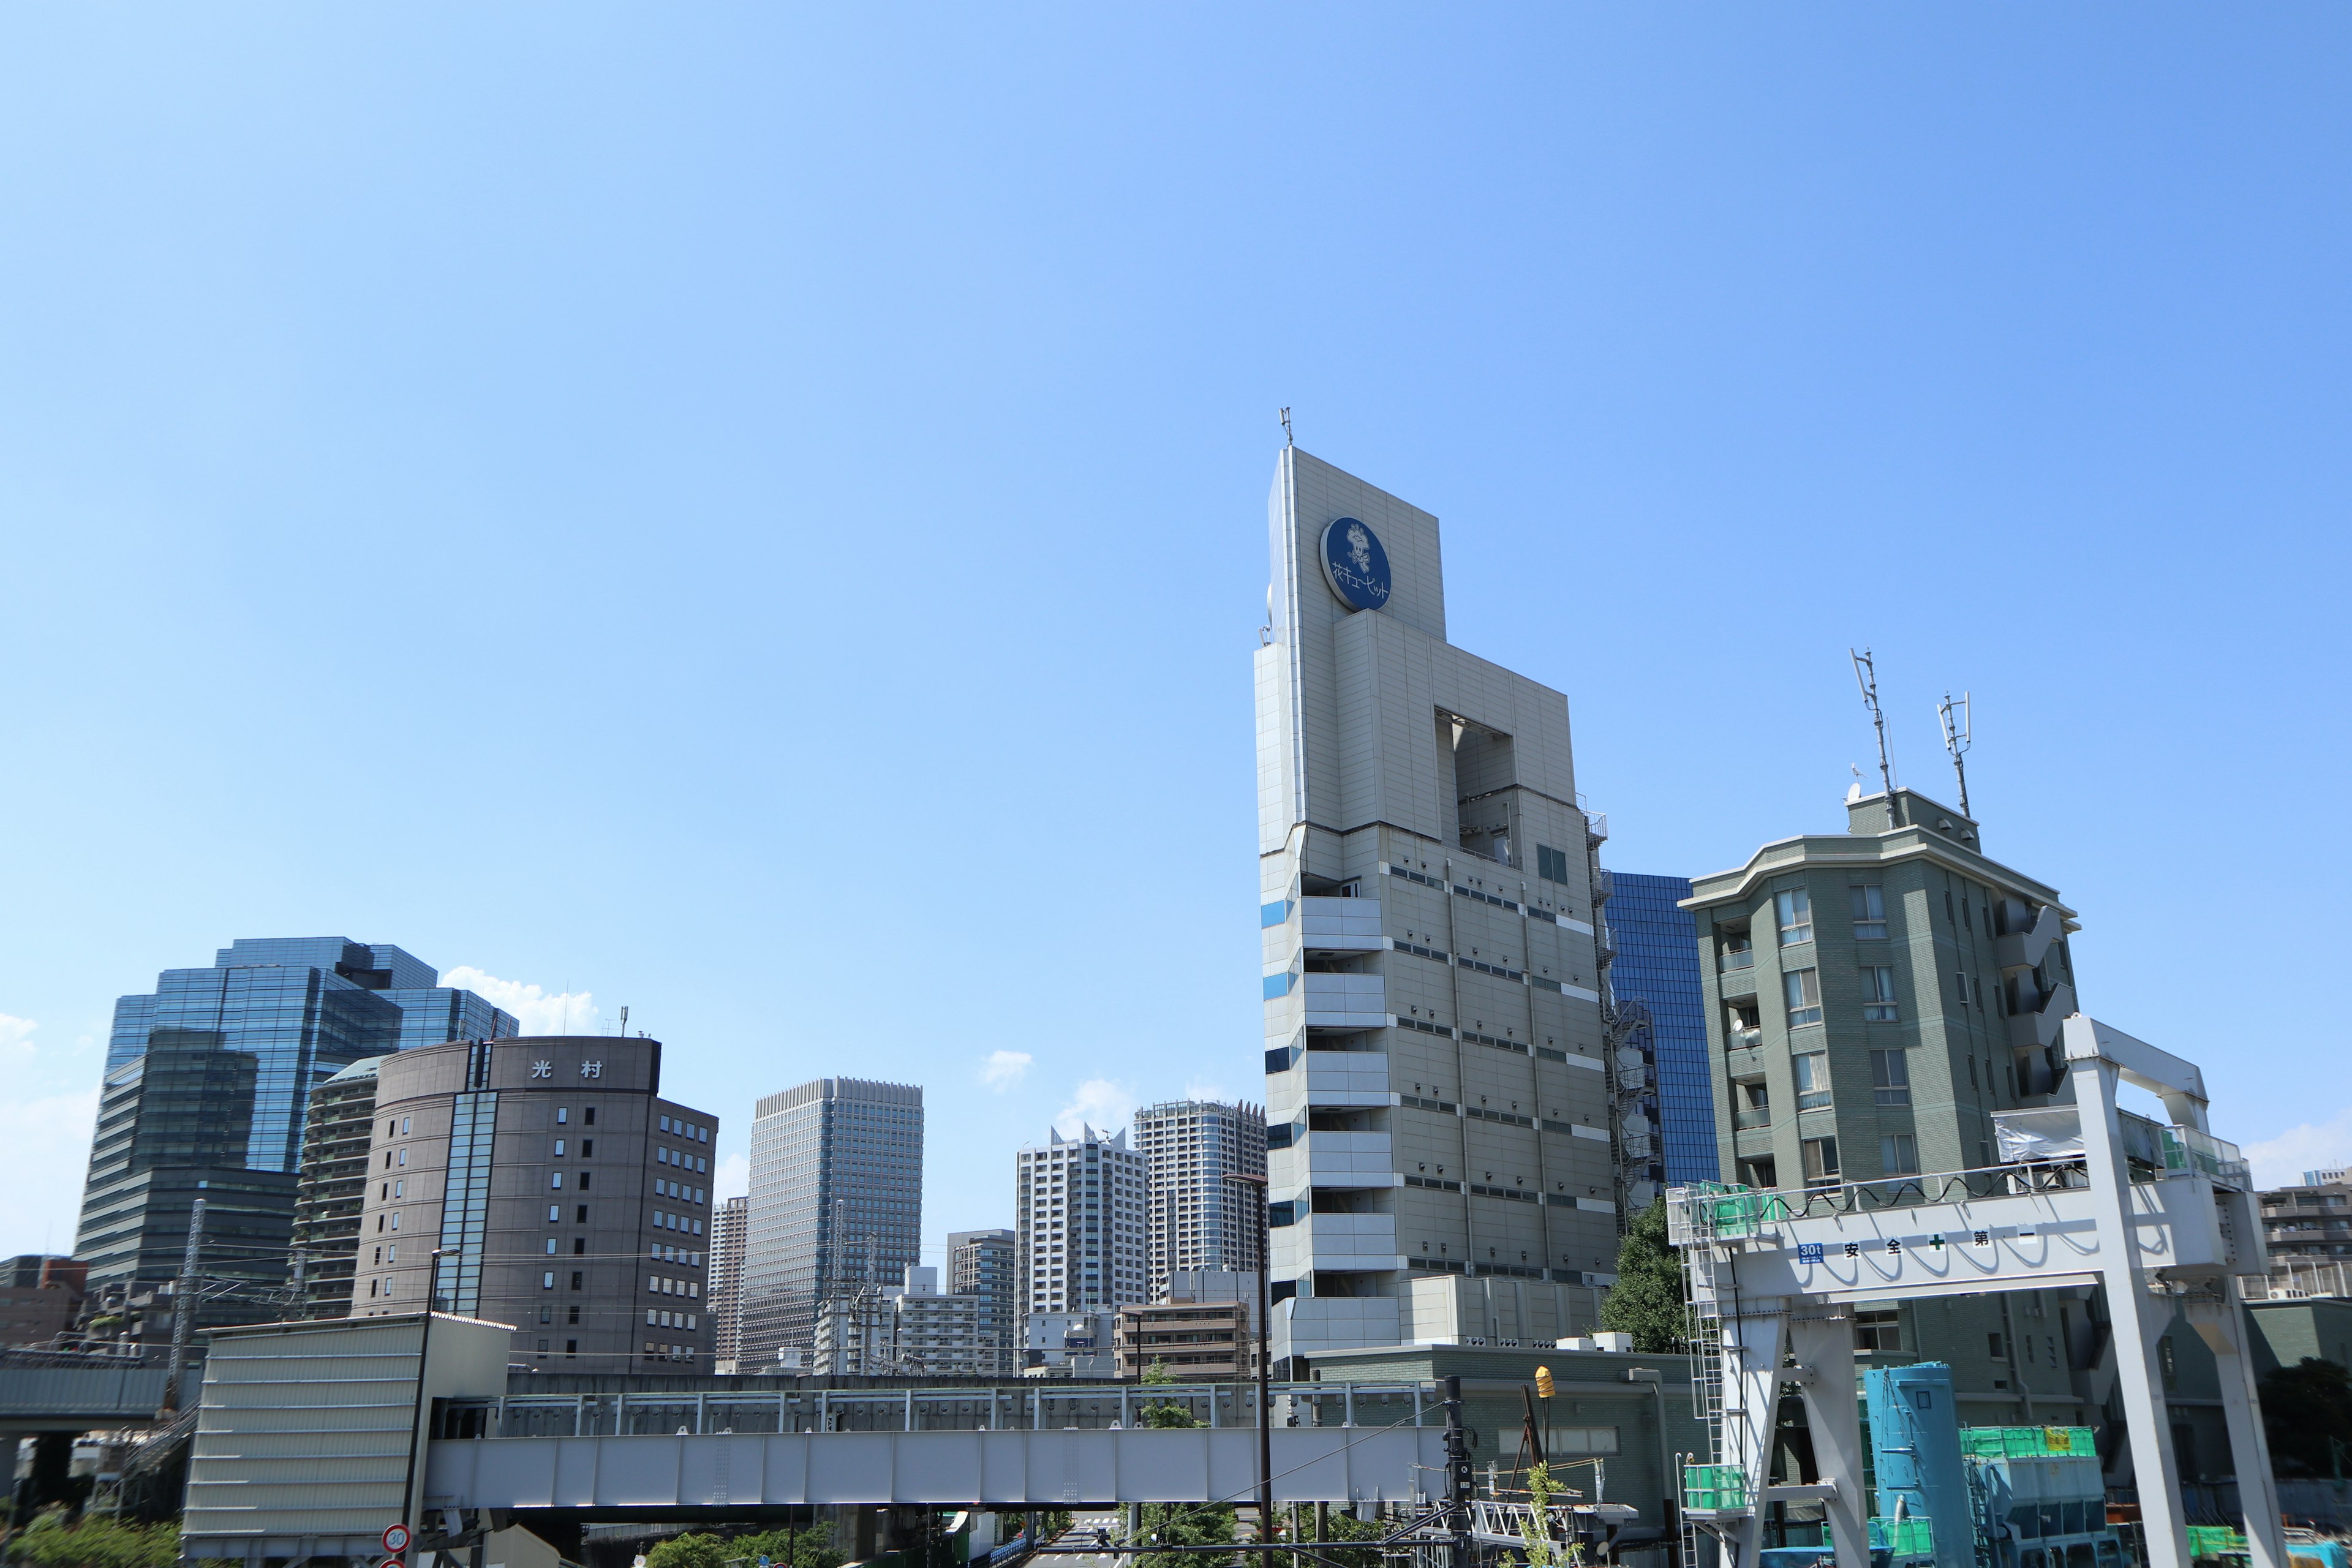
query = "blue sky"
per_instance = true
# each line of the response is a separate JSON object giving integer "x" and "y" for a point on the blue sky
{"x": 757, "y": 514}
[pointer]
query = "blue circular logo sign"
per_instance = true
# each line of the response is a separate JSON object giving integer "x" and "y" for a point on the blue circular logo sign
{"x": 1355, "y": 564}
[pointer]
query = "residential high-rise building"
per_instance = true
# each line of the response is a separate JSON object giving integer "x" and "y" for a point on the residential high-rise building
{"x": 1872, "y": 998}
{"x": 1201, "y": 1217}
{"x": 566, "y": 1196}
{"x": 2308, "y": 1229}
{"x": 730, "y": 1224}
{"x": 1079, "y": 1224}
{"x": 206, "y": 1084}
{"x": 987, "y": 1264}
{"x": 837, "y": 1201}
{"x": 912, "y": 1328}
{"x": 1657, "y": 966}
{"x": 1201, "y": 1328}
{"x": 39, "y": 1298}
{"x": 332, "y": 1190}
{"x": 1438, "y": 1093}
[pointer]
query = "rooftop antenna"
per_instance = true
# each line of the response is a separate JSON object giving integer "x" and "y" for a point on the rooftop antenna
{"x": 1287, "y": 440}
{"x": 1954, "y": 716}
{"x": 1865, "y": 675}
{"x": 624, "y": 1022}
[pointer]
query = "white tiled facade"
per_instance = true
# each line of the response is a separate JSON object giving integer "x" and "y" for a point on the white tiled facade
{"x": 1436, "y": 1099}
{"x": 1079, "y": 1224}
{"x": 1200, "y": 1216}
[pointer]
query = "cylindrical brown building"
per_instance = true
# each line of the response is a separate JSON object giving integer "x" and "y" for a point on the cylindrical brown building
{"x": 567, "y": 1197}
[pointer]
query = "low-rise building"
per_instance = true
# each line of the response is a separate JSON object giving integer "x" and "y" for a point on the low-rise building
{"x": 1205, "y": 1329}
{"x": 2308, "y": 1229}
{"x": 41, "y": 1297}
{"x": 1070, "y": 1344}
{"x": 912, "y": 1328}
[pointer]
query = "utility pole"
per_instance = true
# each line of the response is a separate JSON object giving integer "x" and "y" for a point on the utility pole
{"x": 1264, "y": 1370}
{"x": 417, "y": 1410}
{"x": 184, "y": 1304}
{"x": 1458, "y": 1481}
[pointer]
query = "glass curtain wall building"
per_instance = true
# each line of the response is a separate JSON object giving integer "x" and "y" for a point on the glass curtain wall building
{"x": 208, "y": 1081}
{"x": 1657, "y": 966}
{"x": 836, "y": 1203}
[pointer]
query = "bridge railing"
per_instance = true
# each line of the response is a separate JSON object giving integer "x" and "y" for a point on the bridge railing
{"x": 1042, "y": 1408}
{"x": 1728, "y": 1214}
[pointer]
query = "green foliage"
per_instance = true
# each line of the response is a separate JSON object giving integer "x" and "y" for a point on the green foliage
{"x": 1345, "y": 1526}
{"x": 1166, "y": 1414}
{"x": 691, "y": 1551}
{"x": 46, "y": 1542}
{"x": 807, "y": 1548}
{"x": 1542, "y": 1550}
{"x": 1647, "y": 1300}
{"x": 1158, "y": 1371}
{"x": 2304, "y": 1406}
{"x": 1184, "y": 1524}
{"x": 1052, "y": 1525}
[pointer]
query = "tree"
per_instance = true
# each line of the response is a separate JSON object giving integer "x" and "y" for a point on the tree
{"x": 1647, "y": 1300}
{"x": 811, "y": 1547}
{"x": 46, "y": 1542}
{"x": 2304, "y": 1406}
{"x": 690, "y": 1551}
{"x": 1184, "y": 1524}
{"x": 1340, "y": 1525}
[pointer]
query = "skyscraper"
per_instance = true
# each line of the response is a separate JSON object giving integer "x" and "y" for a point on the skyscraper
{"x": 1078, "y": 1219}
{"x": 1438, "y": 1095}
{"x": 1200, "y": 1216}
{"x": 987, "y": 1264}
{"x": 837, "y": 1201}
{"x": 1657, "y": 966}
{"x": 207, "y": 1081}
{"x": 728, "y": 1225}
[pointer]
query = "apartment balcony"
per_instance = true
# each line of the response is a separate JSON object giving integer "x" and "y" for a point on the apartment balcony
{"x": 1350, "y": 1159}
{"x": 1749, "y": 1121}
{"x": 1340, "y": 925}
{"x": 1346, "y": 1001}
{"x": 2038, "y": 1020}
{"x": 1347, "y": 1077}
{"x": 1732, "y": 984}
{"x": 2029, "y": 947}
{"x": 1736, "y": 959}
{"x": 1747, "y": 1040}
{"x": 1336, "y": 1242}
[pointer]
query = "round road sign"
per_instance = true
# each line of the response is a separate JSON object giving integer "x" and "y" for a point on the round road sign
{"x": 396, "y": 1539}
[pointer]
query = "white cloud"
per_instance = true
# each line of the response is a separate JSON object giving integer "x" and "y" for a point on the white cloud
{"x": 1201, "y": 1088}
{"x": 1098, "y": 1104}
{"x": 44, "y": 1156}
{"x": 2280, "y": 1161}
{"x": 16, "y": 1035}
{"x": 1002, "y": 1069}
{"x": 539, "y": 1012}
{"x": 732, "y": 1179}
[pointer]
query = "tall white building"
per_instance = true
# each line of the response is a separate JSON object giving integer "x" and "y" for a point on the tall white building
{"x": 912, "y": 1330}
{"x": 1437, "y": 1098}
{"x": 729, "y": 1225}
{"x": 1200, "y": 1216}
{"x": 1078, "y": 1221}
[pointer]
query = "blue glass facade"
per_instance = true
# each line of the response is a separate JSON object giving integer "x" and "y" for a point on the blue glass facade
{"x": 207, "y": 1081}
{"x": 1657, "y": 964}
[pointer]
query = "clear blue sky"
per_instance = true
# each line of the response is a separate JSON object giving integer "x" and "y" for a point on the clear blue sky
{"x": 757, "y": 513}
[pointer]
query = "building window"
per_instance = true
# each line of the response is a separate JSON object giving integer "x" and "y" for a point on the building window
{"x": 1878, "y": 994}
{"x": 558, "y": 1147}
{"x": 1803, "y": 989}
{"x": 547, "y": 1281}
{"x": 555, "y": 1179}
{"x": 577, "y": 1277}
{"x": 1812, "y": 1079}
{"x": 1795, "y": 907}
{"x": 550, "y": 1247}
{"x": 1890, "y": 1078}
{"x": 1898, "y": 1154}
{"x": 1820, "y": 1162}
{"x": 1879, "y": 1332}
{"x": 1869, "y": 912}
{"x": 1551, "y": 864}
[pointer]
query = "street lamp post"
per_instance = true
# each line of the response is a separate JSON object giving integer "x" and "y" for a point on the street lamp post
{"x": 1264, "y": 1367}
{"x": 416, "y": 1410}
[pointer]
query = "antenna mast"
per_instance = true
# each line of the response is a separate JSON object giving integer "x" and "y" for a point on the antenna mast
{"x": 1865, "y": 675}
{"x": 1287, "y": 439}
{"x": 1954, "y": 717}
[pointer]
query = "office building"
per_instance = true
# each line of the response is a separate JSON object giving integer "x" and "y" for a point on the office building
{"x": 332, "y": 1190}
{"x": 208, "y": 1081}
{"x": 565, "y": 1194}
{"x": 1873, "y": 997}
{"x": 837, "y": 1202}
{"x": 912, "y": 1328}
{"x": 1201, "y": 1216}
{"x": 728, "y": 1225}
{"x": 1656, "y": 970}
{"x": 1438, "y": 1096}
{"x": 1201, "y": 1328}
{"x": 2308, "y": 1229}
{"x": 1079, "y": 1224}
{"x": 39, "y": 1298}
{"x": 987, "y": 1264}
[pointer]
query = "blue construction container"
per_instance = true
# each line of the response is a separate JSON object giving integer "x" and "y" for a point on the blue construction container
{"x": 1914, "y": 1446}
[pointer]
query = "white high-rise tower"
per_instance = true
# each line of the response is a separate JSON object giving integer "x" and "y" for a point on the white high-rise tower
{"x": 1437, "y": 1098}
